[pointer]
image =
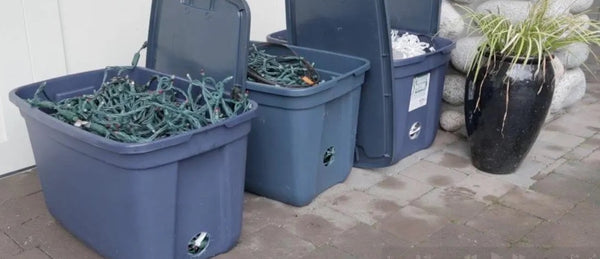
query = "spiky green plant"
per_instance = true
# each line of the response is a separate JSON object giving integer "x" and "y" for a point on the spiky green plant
{"x": 535, "y": 38}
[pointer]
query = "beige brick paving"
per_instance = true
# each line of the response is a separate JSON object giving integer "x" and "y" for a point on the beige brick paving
{"x": 412, "y": 224}
{"x": 510, "y": 224}
{"x": 455, "y": 203}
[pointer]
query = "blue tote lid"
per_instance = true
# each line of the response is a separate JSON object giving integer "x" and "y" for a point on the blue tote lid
{"x": 362, "y": 28}
{"x": 196, "y": 36}
{"x": 420, "y": 16}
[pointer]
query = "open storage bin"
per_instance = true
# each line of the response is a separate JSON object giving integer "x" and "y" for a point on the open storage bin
{"x": 401, "y": 99}
{"x": 150, "y": 200}
{"x": 302, "y": 140}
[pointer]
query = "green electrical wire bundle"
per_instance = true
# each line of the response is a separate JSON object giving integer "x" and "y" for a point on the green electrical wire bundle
{"x": 291, "y": 71}
{"x": 124, "y": 111}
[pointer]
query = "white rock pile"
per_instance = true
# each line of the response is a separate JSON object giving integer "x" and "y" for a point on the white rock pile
{"x": 570, "y": 82}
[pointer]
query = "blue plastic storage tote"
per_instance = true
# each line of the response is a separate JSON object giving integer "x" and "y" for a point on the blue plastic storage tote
{"x": 401, "y": 99}
{"x": 302, "y": 140}
{"x": 157, "y": 199}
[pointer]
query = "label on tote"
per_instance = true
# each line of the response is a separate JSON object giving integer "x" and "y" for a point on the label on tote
{"x": 420, "y": 91}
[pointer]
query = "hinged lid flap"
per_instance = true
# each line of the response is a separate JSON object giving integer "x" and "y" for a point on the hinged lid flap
{"x": 421, "y": 16}
{"x": 357, "y": 28}
{"x": 192, "y": 36}
{"x": 362, "y": 28}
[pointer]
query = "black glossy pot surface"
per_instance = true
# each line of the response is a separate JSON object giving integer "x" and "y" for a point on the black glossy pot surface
{"x": 501, "y": 131}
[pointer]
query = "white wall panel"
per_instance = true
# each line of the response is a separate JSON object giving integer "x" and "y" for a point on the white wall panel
{"x": 15, "y": 70}
{"x": 44, "y": 38}
{"x": 3, "y": 134}
{"x": 101, "y": 33}
{"x": 267, "y": 16}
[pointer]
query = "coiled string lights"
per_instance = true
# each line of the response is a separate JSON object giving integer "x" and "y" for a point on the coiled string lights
{"x": 125, "y": 111}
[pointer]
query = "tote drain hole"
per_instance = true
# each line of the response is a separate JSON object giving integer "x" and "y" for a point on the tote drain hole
{"x": 198, "y": 244}
{"x": 329, "y": 156}
{"x": 415, "y": 131}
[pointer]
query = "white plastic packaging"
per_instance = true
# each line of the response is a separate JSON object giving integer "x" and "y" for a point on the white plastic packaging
{"x": 408, "y": 45}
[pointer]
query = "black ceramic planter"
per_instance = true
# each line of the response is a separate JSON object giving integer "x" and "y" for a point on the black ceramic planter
{"x": 502, "y": 130}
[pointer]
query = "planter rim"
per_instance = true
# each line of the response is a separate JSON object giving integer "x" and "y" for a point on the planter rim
{"x": 510, "y": 58}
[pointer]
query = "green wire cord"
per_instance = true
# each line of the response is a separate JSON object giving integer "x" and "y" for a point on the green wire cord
{"x": 290, "y": 71}
{"x": 124, "y": 111}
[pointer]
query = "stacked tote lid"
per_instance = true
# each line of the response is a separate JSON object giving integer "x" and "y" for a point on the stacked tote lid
{"x": 409, "y": 15}
{"x": 422, "y": 16}
{"x": 209, "y": 36}
{"x": 328, "y": 24}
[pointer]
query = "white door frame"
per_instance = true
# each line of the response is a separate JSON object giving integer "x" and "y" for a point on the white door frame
{"x": 31, "y": 49}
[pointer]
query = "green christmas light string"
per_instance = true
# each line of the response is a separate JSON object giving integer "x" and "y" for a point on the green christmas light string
{"x": 290, "y": 71}
{"x": 124, "y": 111}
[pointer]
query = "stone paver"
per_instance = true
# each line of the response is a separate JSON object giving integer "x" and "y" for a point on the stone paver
{"x": 363, "y": 241}
{"x": 442, "y": 140}
{"x": 8, "y": 247}
{"x": 362, "y": 179}
{"x": 560, "y": 235}
{"x": 15, "y": 212}
{"x": 454, "y": 161}
{"x": 399, "y": 189}
{"x": 461, "y": 253}
{"x": 581, "y": 171}
{"x": 585, "y": 215}
{"x": 460, "y": 236}
{"x": 508, "y": 223}
{"x": 432, "y": 174}
{"x": 550, "y": 169}
{"x": 587, "y": 252}
{"x": 554, "y": 144}
{"x": 585, "y": 149}
{"x": 592, "y": 109}
{"x": 338, "y": 219}
{"x": 485, "y": 188}
{"x": 276, "y": 242}
{"x": 456, "y": 204}
{"x": 405, "y": 163}
{"x": 565, "y": 187}
{"x": 460, "y": 148}
{"x": 32, "y": 254}
{"x": 19, "y": 185}
{"x": 412, "y": 224}
{"x": 35, "y": 232}
{"x": 578, "y": 228}
{"x": 581, "y": 125}
{"x": 593, "y": 160}
{"x": 328, "y": 252}
{"x": 329, "y": 195}
{"x": 364, "y": 207}
{"x": 260, "y": 212}
{"x": 62, "y": 244}
{"x": 313, "y": 228}
{"x": 537, "y": 204}
{"x": 525, "y": 175}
